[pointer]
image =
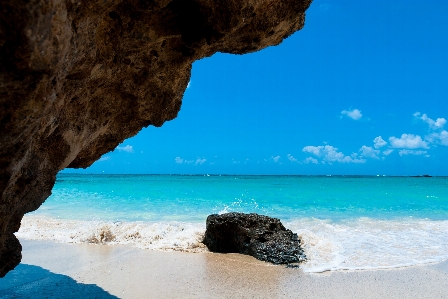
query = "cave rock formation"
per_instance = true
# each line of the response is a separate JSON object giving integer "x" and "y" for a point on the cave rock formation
{"x": 78, "y": 77}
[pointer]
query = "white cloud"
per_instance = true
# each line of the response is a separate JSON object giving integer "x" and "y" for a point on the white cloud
{"x": 276, "y": 158}
{"x": 331, "y": 154}
{"x": 200, "y": 161}
{"x": 315, "y": 150}
{"x": 433, "y": 124}
{"x": 388, "y": 152}
{"x": 189, "y": 84}
{"x": 369, "y": 152}
{"x": 438, "y": 138}
{"x": 310, "y": 160}
{"x": 440, "y": 122}
{"x": 104, "y": 158}
{"x": 127, "y": 148}
{"x": 179, "y": 160}
{"x": 412, "y": 152}
{"x": 443, "y": 136}
{"x": 379, "y": 142}
{"x": 410, "y": 141}
{"x": 432, "y": 138}
{"x": 291, "y": 158}
{"x": 353, "y": 114}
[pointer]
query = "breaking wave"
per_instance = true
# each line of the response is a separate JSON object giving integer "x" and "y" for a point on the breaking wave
{"x": 360, "y": 244}
{"x": 170, "y": 236}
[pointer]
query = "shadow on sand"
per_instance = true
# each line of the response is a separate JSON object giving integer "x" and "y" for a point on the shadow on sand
{"x": 28, "y": 281}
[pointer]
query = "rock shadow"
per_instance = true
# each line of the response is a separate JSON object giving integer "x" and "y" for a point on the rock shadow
{"x": 29, "y": 281}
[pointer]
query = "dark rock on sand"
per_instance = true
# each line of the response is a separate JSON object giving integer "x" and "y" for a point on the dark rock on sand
{"x": 79, "y": 77}
{"x": 262, "y": 237}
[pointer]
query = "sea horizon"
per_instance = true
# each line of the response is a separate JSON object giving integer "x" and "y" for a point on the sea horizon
{"x": 238, "y": 174}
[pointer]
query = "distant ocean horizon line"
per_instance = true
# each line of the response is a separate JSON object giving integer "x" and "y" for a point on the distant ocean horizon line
{"x": 267, "y": 175}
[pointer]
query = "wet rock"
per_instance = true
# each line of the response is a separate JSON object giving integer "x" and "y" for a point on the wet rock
{"x": 262, "y": 237}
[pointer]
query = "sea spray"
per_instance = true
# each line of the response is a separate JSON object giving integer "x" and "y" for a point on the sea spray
{"x": 168, "y": 236}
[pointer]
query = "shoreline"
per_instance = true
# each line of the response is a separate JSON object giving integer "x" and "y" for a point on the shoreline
{"x": 347, "y": 245}
{"x": 50, "y": 269}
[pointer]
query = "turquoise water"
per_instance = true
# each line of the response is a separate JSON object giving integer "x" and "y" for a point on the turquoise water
{"x": 345, "y": 222}
{"x": 192, "y": 198}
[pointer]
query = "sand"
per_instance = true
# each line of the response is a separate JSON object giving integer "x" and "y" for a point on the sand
{"x": 51, "y": 270}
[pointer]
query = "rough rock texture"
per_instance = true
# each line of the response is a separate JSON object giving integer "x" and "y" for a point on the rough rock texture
{"x": 262, "y": 237}
{"x": 78, "y": 77}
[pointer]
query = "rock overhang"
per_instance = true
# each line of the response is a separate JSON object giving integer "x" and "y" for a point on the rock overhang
{"x": 79, "y": 77}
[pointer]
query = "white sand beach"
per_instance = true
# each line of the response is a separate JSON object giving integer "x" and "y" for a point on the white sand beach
{"x": 52, "y": 270}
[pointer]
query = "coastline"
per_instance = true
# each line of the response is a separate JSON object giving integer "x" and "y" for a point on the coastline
{"x": 358, "y": 244}
{"x": 51, "y": 269}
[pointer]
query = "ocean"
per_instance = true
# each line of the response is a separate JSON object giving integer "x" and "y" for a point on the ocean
{"x": 344, "y": 222}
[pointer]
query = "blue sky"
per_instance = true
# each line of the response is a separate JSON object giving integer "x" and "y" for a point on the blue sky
{"x": 361, "y": 89}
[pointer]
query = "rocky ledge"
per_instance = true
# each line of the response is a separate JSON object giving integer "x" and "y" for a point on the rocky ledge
{"x": 262, "y": 237}
{"x": 78, "y": 77}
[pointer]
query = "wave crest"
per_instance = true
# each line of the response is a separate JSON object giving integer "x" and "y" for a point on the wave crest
{"x": 170, "y": 236}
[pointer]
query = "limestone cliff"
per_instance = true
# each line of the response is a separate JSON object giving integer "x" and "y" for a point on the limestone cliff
{"x": 78, "y": 77}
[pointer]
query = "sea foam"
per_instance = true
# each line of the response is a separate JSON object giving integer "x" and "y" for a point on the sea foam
{"x": 360, "y": 244}
{"x": 168, "y": 236}
{"x": 368, "y": 243}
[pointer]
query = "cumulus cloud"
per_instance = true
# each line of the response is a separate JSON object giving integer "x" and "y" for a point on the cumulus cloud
{"x": 433, "y": 124}
{"x": 331, "y": 154}
{"x": 412, "y": 152}
{"x": 353, "y": 114}
{"x": 440, "y": 122}
{"x": 127, "y": 149}
{"x": 409, "y": 141}
{"x": 315, "y": 150}
{"x": 443, "y": 136}
{"x": 310, "y": 160}
{"x": 369, "y": 152}
{"x": 276, "y": 158}
{"x": 388, "y": 152}
{"x": 438, "y": 138}
{"x": 291, "y": 158}
{"x": 104, "y": 158}
{"x": 379, "y": 142}
{"x": 189, "y": 84}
